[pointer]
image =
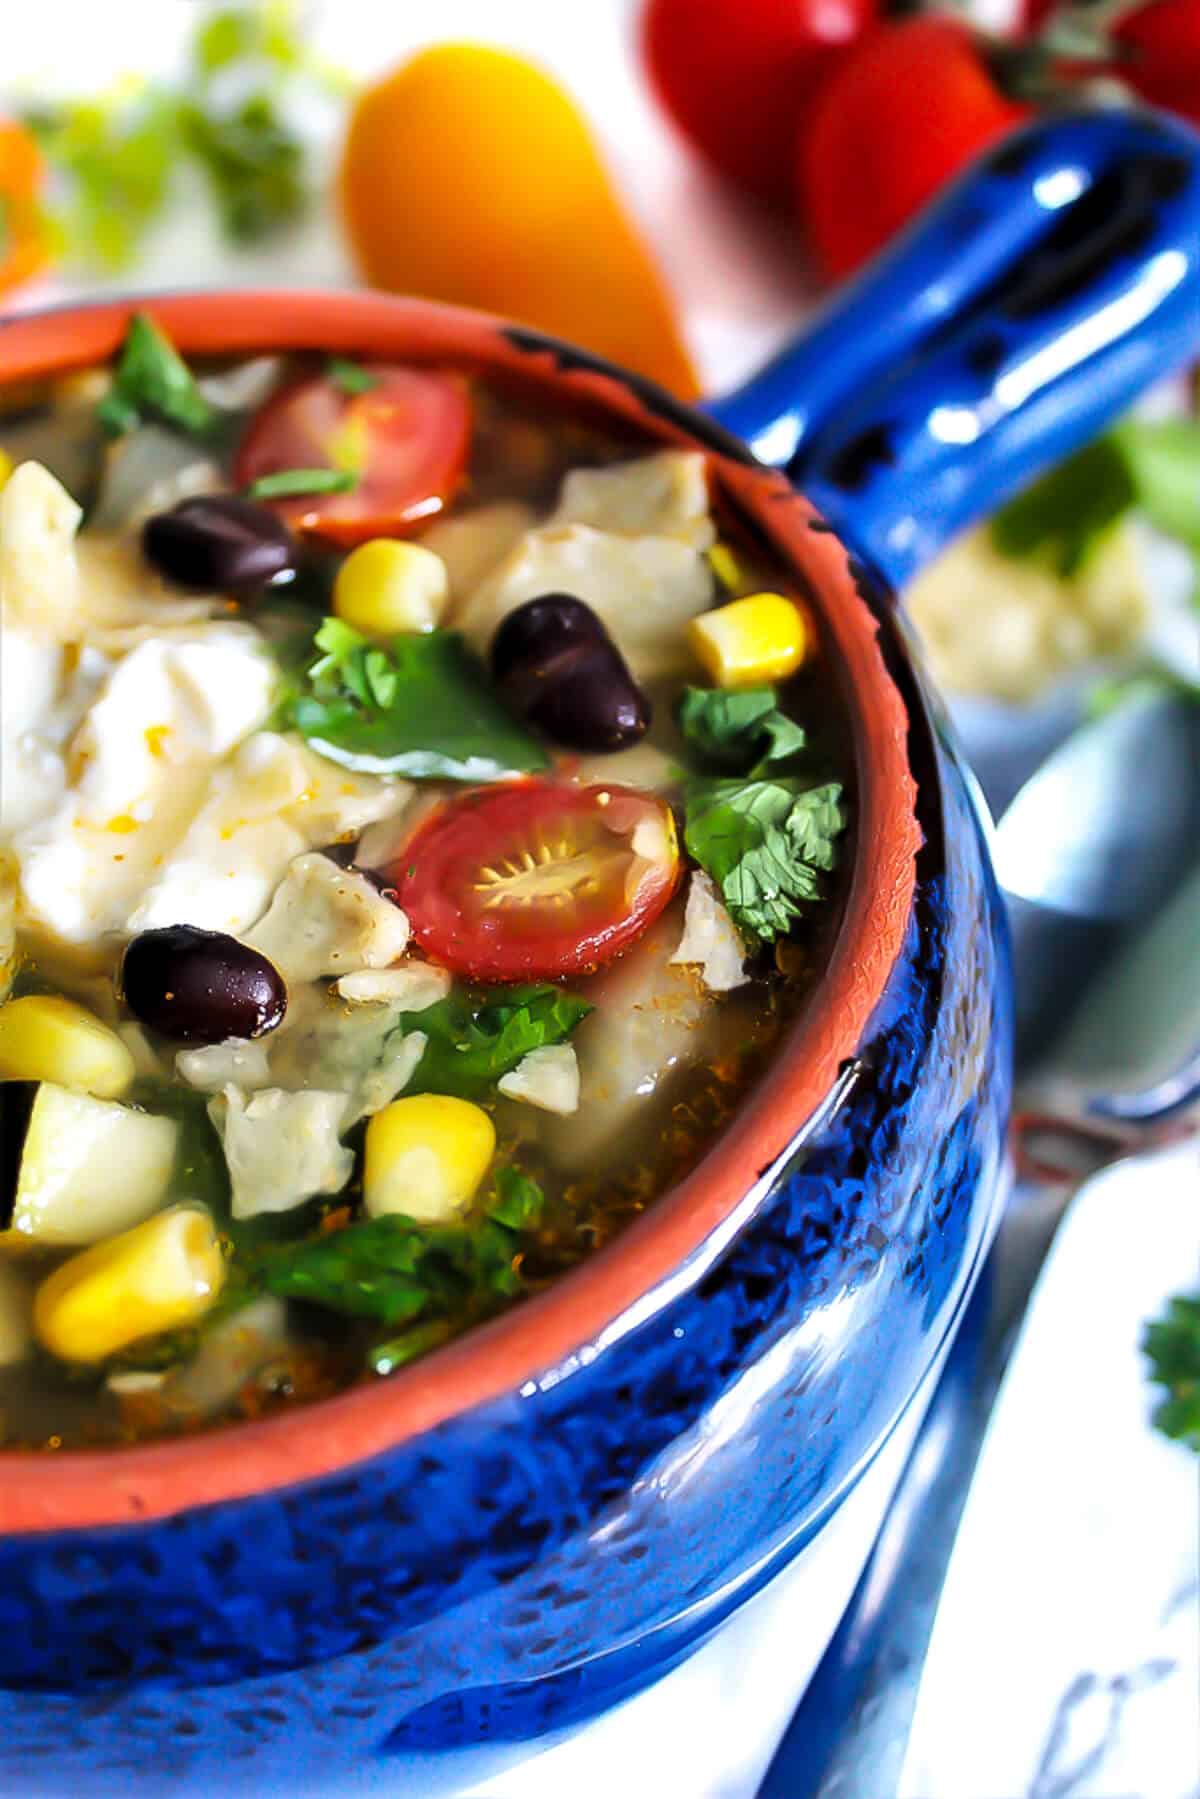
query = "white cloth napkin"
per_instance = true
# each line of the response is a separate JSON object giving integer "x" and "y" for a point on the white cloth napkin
{"x": 1066, "y": 1653}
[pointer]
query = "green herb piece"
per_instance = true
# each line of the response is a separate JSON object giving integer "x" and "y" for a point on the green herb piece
{"x": 767, "y": 837}
{"x": 114, "y": 162}
{"x": 1062, "y": 517}
{"x": 422, "y": 707}
{"x": 472, "y": 1040}
{"x": 253, "y": 162}
{"x": 1172, "y": 1344}
{"x": 766, "y": 844}
{"x": 152, "y": 381}
{"x": 1151, "y": 464}
{"x": 733, "y": 729}
{"x": 395, "y": 1271}
{"x": 286, "y": 482}
{"x": 396, "y": 1352}
{"x": 520, "y": 1201}
{"x": 351, "y": 377}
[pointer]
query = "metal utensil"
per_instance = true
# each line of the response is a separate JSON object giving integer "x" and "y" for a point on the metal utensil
{"x": 1104, "y": 894}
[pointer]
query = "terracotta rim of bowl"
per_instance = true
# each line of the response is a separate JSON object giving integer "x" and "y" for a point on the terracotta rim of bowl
{"x": 539, "y": 1342}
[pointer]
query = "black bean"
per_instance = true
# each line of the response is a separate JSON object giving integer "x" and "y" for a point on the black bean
{"x": 543, "y": 627}
{"x": 220, "y": 543}
{"x": 201, "y": 986}
{"x": 556, "y": 664}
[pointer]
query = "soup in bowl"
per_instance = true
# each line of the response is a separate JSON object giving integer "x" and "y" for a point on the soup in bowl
{"x": 506, "y": 1037}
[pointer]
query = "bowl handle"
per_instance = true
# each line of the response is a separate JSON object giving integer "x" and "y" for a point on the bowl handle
{"x": 1057, "y": 278}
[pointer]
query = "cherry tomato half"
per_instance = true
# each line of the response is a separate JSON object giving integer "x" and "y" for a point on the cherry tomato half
{"x": 539, "y": 879}
{"x": 405, "y": 438}
{"x": 909, "y": 106}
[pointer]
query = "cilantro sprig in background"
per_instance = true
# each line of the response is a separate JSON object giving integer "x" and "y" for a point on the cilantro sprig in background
{"x": 116, "y": 161}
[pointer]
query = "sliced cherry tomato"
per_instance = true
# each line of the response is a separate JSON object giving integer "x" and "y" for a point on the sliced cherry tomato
{"x": 540, "y": 879}
{"x": 1158, "y": 50}
{"x": 905, "y": 110}
{"x": 737, "y": 75}
{"x": 405, "y": 439}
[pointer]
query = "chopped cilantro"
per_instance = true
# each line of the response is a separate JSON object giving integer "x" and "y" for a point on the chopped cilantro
{"x": 152, "y": 381}
{"x": 472, "y": 1040}
{"x": 1172, "y": 1344}
{"x": 421, "y": 707}
{"x": 284, "y": 483}
{"x": 350, "y": 376}
{"x": 767, "y": 836}
{"x": 396, "y": 1271}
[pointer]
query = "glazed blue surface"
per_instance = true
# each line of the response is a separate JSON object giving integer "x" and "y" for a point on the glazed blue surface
{"x": 524, "y": 1565}
{"x": 533, "y": 1560}
{"x": 1031, "y": 304}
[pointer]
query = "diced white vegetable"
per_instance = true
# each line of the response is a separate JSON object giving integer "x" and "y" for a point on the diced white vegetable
{"x": 411, "y": 985}
{"x": 358, "y": 1051}
{"x": 644, "y": 588}
{"x": 135, "y": 1380}
{"x": 326, "y": 920}
{"x": 16, "y": 1315}
{"x": 148, "y": 471}
{"x": 280, "y": 1148}
{"x": 649, "y": 1023}
{"x": 711, "y": 939}
{"x": 244, "y": 386}
{"x": 472, "y": 543}
{"x": 90, "y": 1167}
{"x": 231, "y": 1353}
{"x": 390, "y": 1076}
{"x": 39, "y": 576}
{"x": 642, "y": 766}
{"x": 237, "y": 1062}
{"x": 266, "y": 805}
{"x": 664, "y": 495}
{"x": 547, "y": 1078}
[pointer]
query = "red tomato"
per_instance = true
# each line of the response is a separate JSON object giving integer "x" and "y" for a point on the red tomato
{"x": 905, "y": 110}
{"x": 406, "y": 438}
{"x": 536, "y": 880}
{"x": 736, "y": 76}
{"x": 1158, "y": 51}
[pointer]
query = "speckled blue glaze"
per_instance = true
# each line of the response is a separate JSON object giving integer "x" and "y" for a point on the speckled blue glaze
{"x": 531, "y": 1560}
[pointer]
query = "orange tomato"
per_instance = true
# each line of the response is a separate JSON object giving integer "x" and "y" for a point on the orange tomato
{"x": 469, "y": 176}
{"x": 24, "y": 247}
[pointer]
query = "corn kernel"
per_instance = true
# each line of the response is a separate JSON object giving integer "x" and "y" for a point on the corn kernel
{"x": 425, "y": 1156}
{"x": 44, "y": 1037}
{"x": 385, "y": 586}
{"x": 159, "y": 1276}
{"x": 764, "y": 637}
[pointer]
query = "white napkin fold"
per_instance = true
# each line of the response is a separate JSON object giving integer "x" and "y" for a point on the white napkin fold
{"x": 1066, "y": 1652}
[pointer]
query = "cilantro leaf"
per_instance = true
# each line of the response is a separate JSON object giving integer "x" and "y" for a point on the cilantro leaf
{"x": 765, "y": 843}
{"x": 422, "y": 707}
{"x": 1172, "y": 1344}
{"x": 394, "y": 1270}
{"x": 767, "y": 836}
{"x": 1061, "y": 517}
{"x": 284, "y": 483}
{"x": 472, "y": 1040}
{"x": 1151, "y": 464}
{"x": 254, "y": 164}
{"x": 734, "y": 728}
{"x": 350, "y": 376}
{"x": 152, "y": 381}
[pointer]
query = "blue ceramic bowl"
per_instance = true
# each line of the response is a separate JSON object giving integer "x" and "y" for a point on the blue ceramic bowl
{"x": 545, "y": 1516}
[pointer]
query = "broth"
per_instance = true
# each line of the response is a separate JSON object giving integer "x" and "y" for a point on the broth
{"x": 389, "y": 929}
